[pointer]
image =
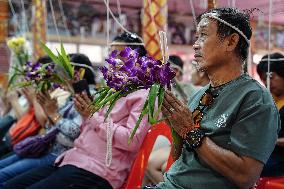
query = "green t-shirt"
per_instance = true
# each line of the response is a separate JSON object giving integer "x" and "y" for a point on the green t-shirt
{"x": 243, "y": 118}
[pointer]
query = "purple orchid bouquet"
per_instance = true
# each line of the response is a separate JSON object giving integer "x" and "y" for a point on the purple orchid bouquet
{"x": 41, "y": 76}
{"x": 128, "y": 72}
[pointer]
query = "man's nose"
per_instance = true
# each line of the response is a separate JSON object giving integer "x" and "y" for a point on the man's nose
{"x": 196, "y": 46}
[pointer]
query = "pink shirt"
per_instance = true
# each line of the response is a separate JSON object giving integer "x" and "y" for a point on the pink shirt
{"x": 90, "y": 148}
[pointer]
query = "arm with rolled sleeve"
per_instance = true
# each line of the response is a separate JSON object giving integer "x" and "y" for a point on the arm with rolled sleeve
{"x": 253, "y": 137}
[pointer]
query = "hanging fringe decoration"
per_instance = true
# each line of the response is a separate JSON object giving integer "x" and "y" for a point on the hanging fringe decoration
{"x": 116, "y": 20}
{"x": 269, "y": 44}
{"x": 64, "y": 21}
{"x": 193, "y": 12}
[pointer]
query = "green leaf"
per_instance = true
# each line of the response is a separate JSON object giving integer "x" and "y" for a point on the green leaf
{"x": 144, "y": 111}
{"x": 63, "y": 53}
{"x": 109, "y": 97}
{"x": 67, "y": 61}
{"x": 13, "y": 79}
{"x": 177, "y": 140}
{"x": 20, "y": 60}
{"x": 56, "y": 79}
{"x": 64, "y": 66}
{"x": 101, "y": 97}
{"x": 46, "y": 86}
{"x": 102, "y": 89}
{"x": 40, "y": 86}
{"x": 50, "y": 54}
{"x": 152, "y": 99}
{"x": 17, "y": 70}
{"x": 117, "y": 96}
{"x": 161, "y": 96}
{"x": 23, "y": 84}
{"x": 26, "y": 56}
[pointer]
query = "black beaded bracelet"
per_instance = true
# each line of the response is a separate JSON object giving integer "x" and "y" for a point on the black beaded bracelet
{"x": 194, "y": 138}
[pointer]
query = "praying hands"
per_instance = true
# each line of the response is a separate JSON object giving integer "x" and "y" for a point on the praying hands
{"x": 178, "y": 115}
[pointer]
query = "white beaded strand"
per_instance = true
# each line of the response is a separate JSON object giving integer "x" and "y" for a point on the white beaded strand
{"x": 109, "y": 143}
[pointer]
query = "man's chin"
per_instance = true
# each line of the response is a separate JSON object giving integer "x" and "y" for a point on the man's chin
{"x": 200, "y": 66}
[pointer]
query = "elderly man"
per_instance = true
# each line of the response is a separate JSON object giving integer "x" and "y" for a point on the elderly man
{"x": 230, "y": 127}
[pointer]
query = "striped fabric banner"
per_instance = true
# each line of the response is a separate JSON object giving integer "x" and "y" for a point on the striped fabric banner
{"x": 154, "y": 19}
{"x": 39, "y": 28}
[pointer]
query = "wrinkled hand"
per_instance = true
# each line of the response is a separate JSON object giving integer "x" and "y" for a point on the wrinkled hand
{"x": 49, "y": 105}
{"x": 82, "y": 104}
{"x": 178, "y": 115}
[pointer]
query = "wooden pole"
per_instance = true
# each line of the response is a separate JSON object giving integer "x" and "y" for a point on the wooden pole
{"x": 211, "y": 4}
{"x": 4, "y": 55}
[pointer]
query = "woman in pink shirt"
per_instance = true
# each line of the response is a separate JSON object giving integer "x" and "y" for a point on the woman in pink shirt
{"x": 101, "y": 157}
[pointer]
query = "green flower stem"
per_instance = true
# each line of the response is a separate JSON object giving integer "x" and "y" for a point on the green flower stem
{"x": 152, "y": 99}
{"x": 177, "y": 144}
{"x": 161, "y": 96}
{"x": 101, "y": 97}
{"x": 110, "y": 96}
{"x": 112, "y": 103}
{"x": 144, "y": 111}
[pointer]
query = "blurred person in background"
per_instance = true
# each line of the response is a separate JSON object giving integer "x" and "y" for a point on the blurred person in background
{"x": 66, "y": 119}
{"x": 19, "y": 103}
{"x": 275, "y": 164}
{"x": 182, "y": 90}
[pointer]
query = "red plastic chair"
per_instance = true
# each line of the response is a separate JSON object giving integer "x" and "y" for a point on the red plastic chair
{"x": 270, "y": 183}
{"x": 136, "y": 175}
{"x": 275, "y": 184}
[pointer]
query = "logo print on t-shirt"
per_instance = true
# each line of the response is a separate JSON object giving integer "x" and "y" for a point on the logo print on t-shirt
{"x": 221, "y": 121}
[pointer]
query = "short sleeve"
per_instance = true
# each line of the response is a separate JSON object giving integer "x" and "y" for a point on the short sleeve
{"x": 256, "y": 131}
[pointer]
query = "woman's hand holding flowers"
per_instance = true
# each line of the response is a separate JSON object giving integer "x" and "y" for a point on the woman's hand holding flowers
{"x": 29, "y": 93}
{"x": 177, "y": 114}
{"x": 82, "y": 104}
{"x": 49, "y": 105}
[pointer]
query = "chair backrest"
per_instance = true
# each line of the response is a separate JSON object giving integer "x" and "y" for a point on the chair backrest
{"x": 136, "y": 174}
{"x": 270, "y": 182}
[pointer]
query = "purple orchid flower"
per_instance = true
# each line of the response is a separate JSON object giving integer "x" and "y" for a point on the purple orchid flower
{"x": 128, "y": 53}
{"x": 141, "y": 72}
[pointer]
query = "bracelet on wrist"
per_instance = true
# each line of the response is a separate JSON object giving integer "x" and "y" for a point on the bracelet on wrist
{"x": 194, "y": 138}
{"x": 55, "y": 118}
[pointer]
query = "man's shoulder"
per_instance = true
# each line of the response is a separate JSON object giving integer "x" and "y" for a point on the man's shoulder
{"x": 250, "y": 90}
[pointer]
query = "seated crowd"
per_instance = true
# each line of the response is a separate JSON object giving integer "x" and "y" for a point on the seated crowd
{"x": 224, "y": 108}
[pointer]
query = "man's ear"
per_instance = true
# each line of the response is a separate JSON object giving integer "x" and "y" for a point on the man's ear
{"x": 233, "y": 40}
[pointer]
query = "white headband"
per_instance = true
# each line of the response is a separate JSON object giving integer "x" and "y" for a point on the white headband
{"x": 272, "y": 60}
{"x": 173, "y": 65}
{"x": 124, "y": 43}
{"x": 215, "y": 16}
{"x": 85, "y": 66}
